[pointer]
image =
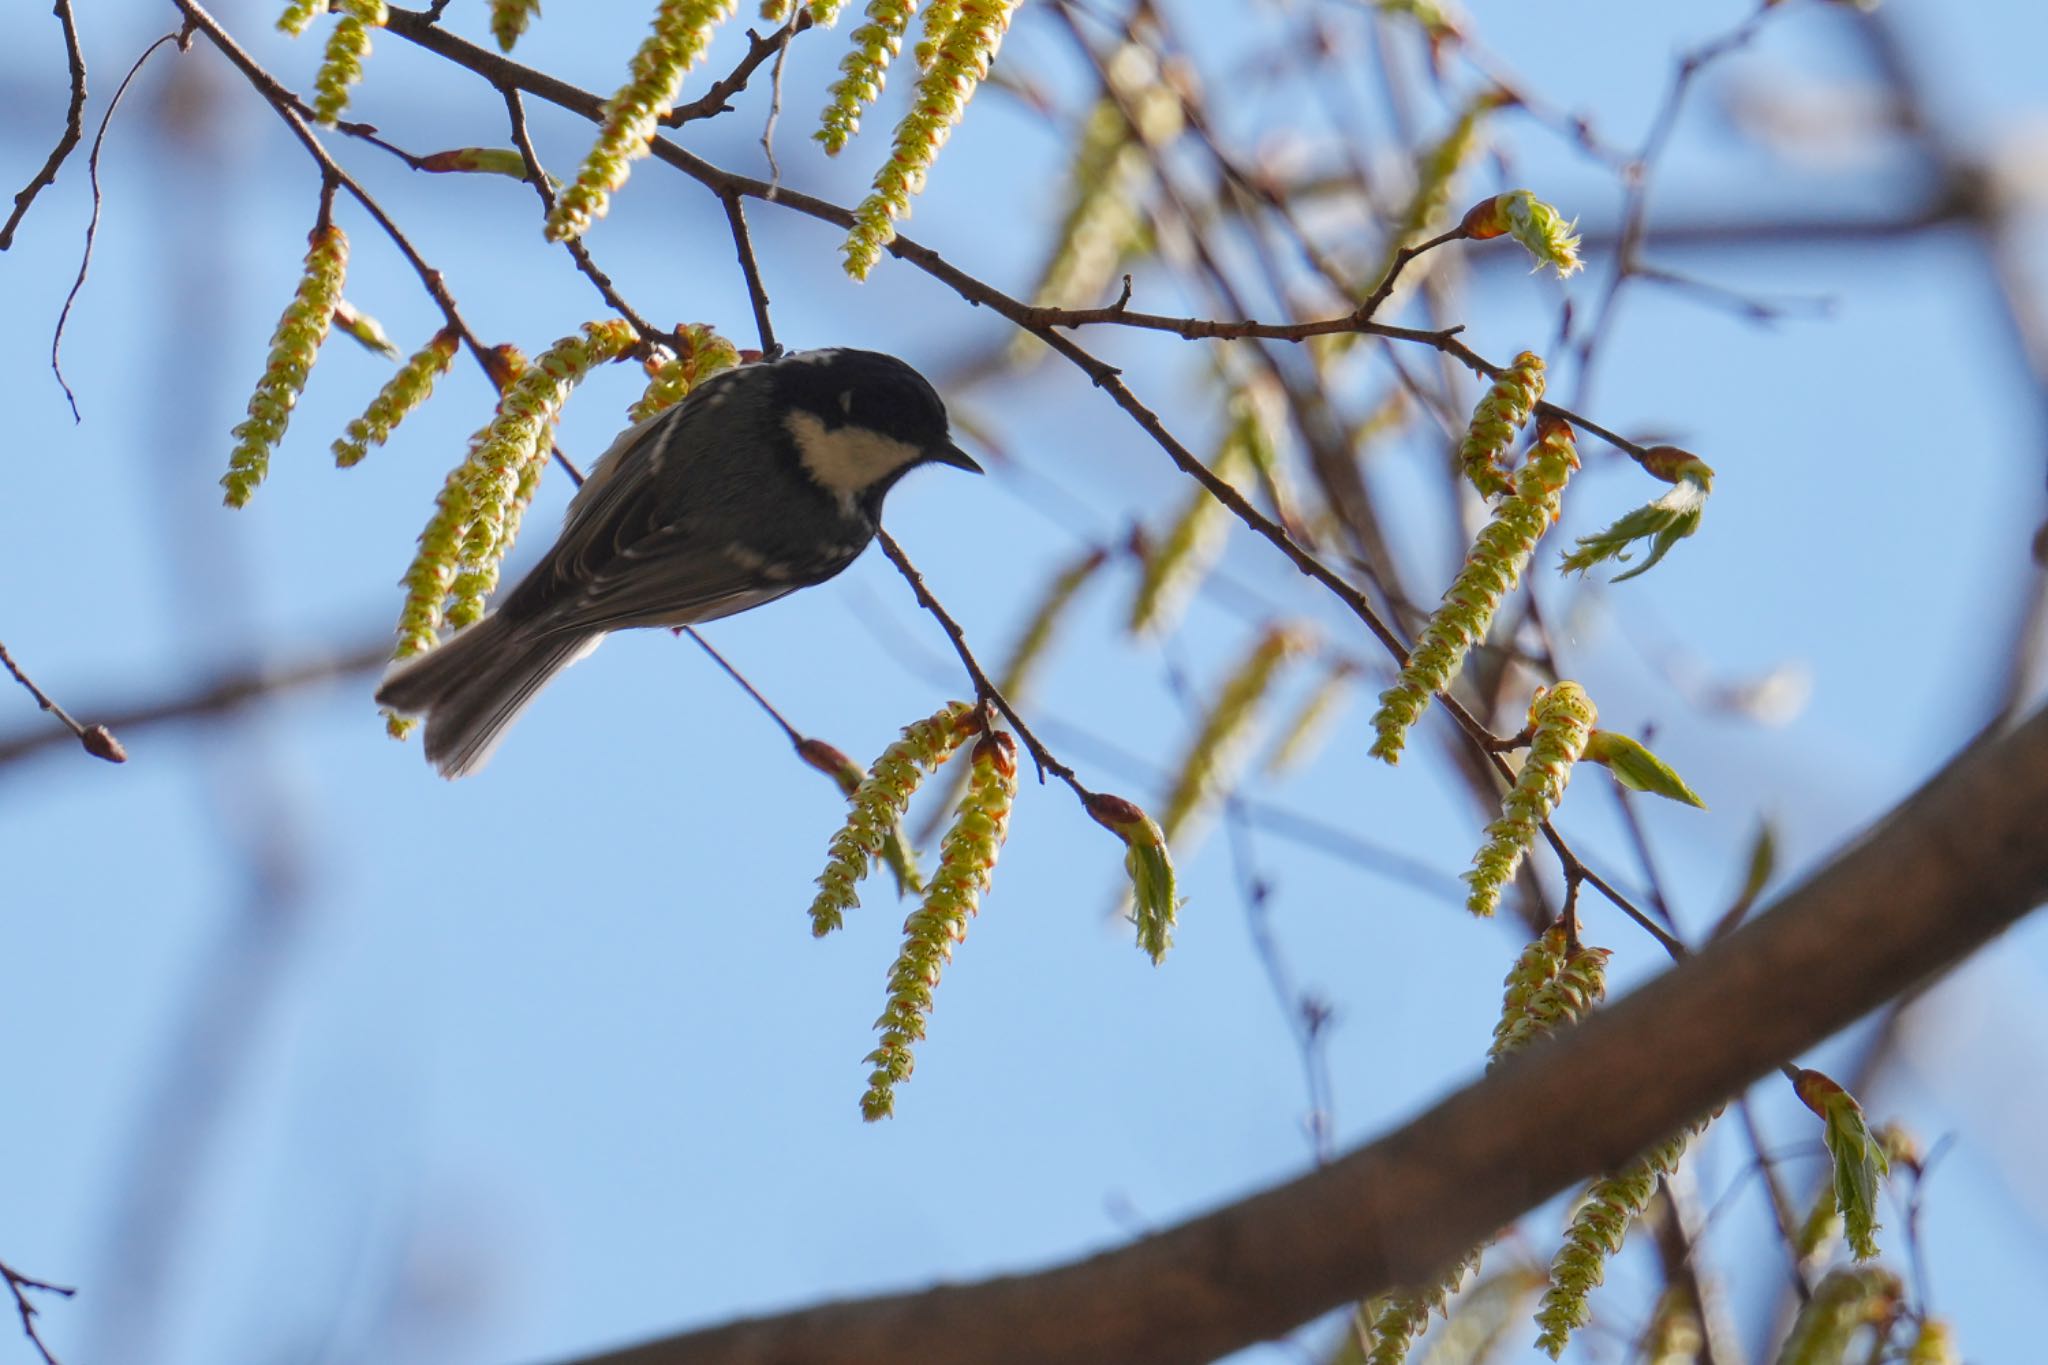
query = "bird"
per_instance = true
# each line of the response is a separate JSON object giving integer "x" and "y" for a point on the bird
{"x": 766, "y": 478}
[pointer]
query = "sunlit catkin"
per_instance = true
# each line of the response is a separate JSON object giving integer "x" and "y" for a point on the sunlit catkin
{"x": 1560, "y": 719}
{"x": 431, "y": 576}
{"x": 293, "y": 348}
{"x": 967, "y": 859}
{"x": 342, "y": 65}
{"x": 1492, "y": 568}
{"x": 877, "y": 805}
{"x": 681, "y": 34}
{"x": 957, "y": 70}
{"x": 863, "y": 71}
{"x": 1610, "y": 1206}
{"x": 401, "y": 394}
{"x": 847, "y": 774}
{"x": 504, "y": 469}
{"x": 939, "y": 18}
{"x": 298, "y": 15}
{"x": 509, "y": 20}
{"x": 1550, "y": 987}
{"x": 1500, "y": 414}
{"x": 670, "y": 378}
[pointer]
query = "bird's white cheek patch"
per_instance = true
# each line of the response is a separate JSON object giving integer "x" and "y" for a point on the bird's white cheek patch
{"x": 847, "y": 460}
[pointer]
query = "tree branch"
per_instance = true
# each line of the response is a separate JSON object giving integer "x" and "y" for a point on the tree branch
{"x": 74, "y": 126}
{"x": 98, "y": 740}
{"x": 1954, "y": 866}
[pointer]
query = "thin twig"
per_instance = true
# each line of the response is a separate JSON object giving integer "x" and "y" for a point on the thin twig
{"x": 74, "y": 125}
{"x": 717, "y": 99}
{"x": 287, "y": 107}
{"x": 536, "y": 174}
{"x": 796, "y": 736}
{"x": 757, "y": 293}
{"x": 92, "y": 226}
{"x": 20, "y": 1284}
{"x": 98, "y": 740}
{"x": 985, "y": 691}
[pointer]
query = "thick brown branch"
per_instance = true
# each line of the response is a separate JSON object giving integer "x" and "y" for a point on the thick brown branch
{"x": 1952, "y": 868}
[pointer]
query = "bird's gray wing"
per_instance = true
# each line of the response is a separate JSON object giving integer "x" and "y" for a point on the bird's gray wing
{"x": 649, "y": 538}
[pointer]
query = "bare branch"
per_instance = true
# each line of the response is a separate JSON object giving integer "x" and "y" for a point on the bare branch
{"x": 20, "y": 1284}
{"x": 98, "y": 740}
{"x": 74, "y": 126}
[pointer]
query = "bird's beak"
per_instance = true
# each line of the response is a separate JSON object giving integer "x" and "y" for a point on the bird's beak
{"x": 956, "y": 457}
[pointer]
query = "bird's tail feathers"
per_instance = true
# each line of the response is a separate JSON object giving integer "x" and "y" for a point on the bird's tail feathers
{"x": 472, "y": 687}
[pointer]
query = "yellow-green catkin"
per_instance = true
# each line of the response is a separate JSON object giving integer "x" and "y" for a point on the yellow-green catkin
{"x": 896, "y": 850}
{"x": 1181, "y": 559}
{"x": 1492, "y": 568}
{"x": 670, "y": 378}
{"x": 1502, "y": 413}
{"x": 1107, "y": 180}
{"x": 504, "y": 468}
{"x": 403, "y": 392}
{"x": 1551, "y": 986}
{"x": 1843, "y": 1303}
{"x": 967, "y": 859}
{"x": 1560, "y": 718}
{"x": 939, "y": 18}
{"x": 957, "y": 70}
{"x": 1304, "y": 736}
{"x": 1216, "y": 753}
{"x": 825, "y": 13}
{"x": 1020, "y": 668}
{"x": 878, "y": 805}
{"x": 510, "y": 19}
{"x": 431, "y": 575}
{"x": 1535, "y": 967}
{"x": 299, "y": 15}
{"x": 293, "y": 348}
{"x": 1934, "y": 1343}
{"x": 681, "y": 34}
{"x": 863, "y": 71}
{"x": 342, "y": 66}
{"x": 1610, "y": 1206}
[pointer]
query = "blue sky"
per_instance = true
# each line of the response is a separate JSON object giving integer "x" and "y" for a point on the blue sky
{"x": 546, "y": 1060}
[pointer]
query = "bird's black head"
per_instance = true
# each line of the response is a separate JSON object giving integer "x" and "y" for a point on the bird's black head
{"x": 860, "y": 419}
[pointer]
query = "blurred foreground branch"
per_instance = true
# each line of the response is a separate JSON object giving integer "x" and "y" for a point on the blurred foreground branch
{"x": 1950, "y": 869}
{"x": 219, "y": 697}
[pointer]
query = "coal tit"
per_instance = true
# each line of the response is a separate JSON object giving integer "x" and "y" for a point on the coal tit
{"x": 765, "y": 479}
